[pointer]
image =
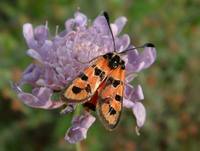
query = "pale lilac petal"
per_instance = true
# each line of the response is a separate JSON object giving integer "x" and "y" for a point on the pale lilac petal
{"x": 149, "y": 56}
{"x": 31, "y": 74}
{"x": 134, "y": 94}
{"x": 34, "y": 54}
{"x": 132, "y": 57}
{"x": 50, "y": 76}
{"x": 84, "y": 120}
{"x": 80, "y": 19}
{"x": 122, "y": 42}
{"x": 136, "y": 62}
{"x": 128, "y": 90}
{"x": 29, "y": 35}
{"x": 75, "y": 135}
{"x": 41, "y": 99}
{"x": 140, "y": 113}
{"x": 114, "y": 29}
{"x": 69, "y": 24}
{"x": 42, "y": 93}
{"x": 137, "y": 93}
{"x": 47, "y": 51}
{"x": 127, "y": 103}
{"x": 130, "y": 77}
{"x": 133, "y": 54}
{"x": 80, "y": 126}
{"x": 101, "y": 25}
{"x": 41, "y": 34}
{"x": 120, "y": 23}
{"x": 52, "y": 79}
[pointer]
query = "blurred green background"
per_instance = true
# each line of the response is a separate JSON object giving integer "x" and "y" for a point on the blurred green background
{"x": 171, "y": 86}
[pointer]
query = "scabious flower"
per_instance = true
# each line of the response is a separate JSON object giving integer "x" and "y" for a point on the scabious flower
{"x": 58, "y": 60}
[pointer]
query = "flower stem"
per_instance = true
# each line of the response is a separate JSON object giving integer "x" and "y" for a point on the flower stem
{"x": 78, "y": 110}
{"x": 78, "y": 146}
{"x": 76, "y": 113}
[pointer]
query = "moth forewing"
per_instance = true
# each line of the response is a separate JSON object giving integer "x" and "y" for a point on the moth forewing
{"x": 110, "y": 100}
{"x": 82, "y": 88}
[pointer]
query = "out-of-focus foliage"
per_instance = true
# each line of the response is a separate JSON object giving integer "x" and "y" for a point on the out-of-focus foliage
{"x": 171, "y": 85}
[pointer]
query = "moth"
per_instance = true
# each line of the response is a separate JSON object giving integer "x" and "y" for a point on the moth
{"x": 100, "y": 86}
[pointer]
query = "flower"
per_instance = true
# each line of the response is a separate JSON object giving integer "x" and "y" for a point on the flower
{"x": 58, "y": 60}
{"x": 80, "y": 125}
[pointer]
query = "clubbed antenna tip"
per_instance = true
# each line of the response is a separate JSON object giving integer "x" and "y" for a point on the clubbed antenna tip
{"x": 149, "y": 45}
{"x": 105, "y": 14}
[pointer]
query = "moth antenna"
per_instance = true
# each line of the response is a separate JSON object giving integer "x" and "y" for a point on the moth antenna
{"x": 105, "y": 14}
{"x": 143, "y": 46}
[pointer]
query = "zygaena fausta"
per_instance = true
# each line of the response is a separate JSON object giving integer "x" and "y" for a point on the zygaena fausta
{"x": 100, "y": 86}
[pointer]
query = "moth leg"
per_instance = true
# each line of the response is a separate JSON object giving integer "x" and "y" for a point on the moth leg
{"x": 68, "y": 109}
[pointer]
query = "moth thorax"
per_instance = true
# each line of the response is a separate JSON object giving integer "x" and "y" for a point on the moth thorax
{"x": 113, "y": 60}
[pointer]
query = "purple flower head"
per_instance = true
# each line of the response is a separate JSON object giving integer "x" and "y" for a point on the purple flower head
{"x": 59, "y": 59}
